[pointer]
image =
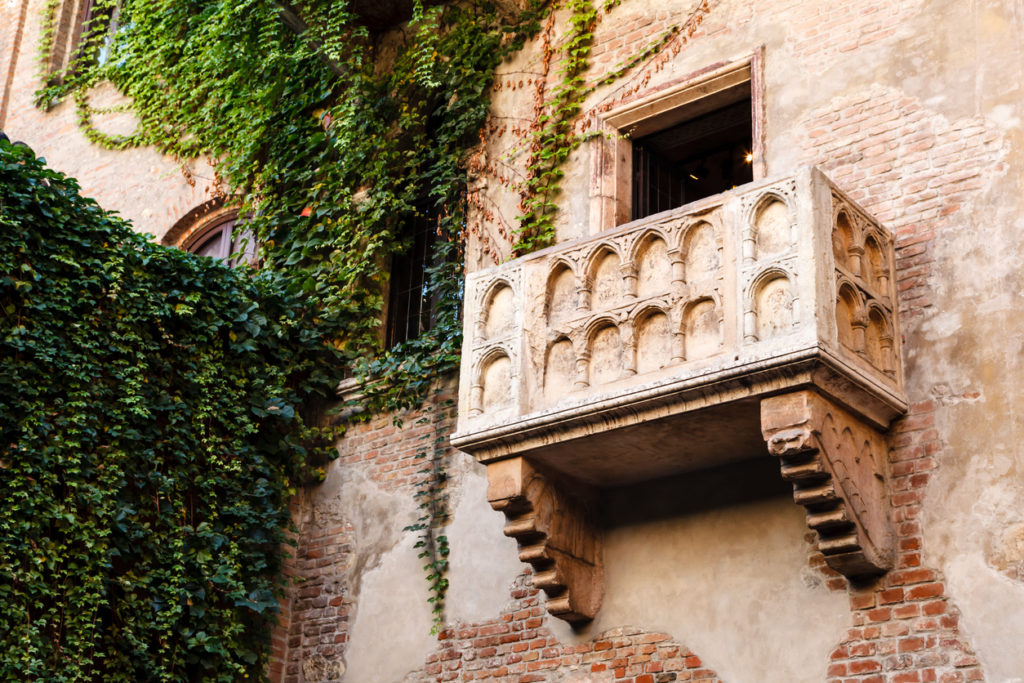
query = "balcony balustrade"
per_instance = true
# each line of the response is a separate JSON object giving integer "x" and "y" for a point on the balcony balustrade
{"x": 683, "y": 341}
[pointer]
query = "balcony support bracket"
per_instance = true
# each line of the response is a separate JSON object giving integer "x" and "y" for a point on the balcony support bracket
{"x": 837, "y": 463}
{"x": 553, "y": 524}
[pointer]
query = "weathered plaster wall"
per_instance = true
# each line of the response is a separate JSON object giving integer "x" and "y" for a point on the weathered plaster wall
{"x": 912, "y": 106}
{"x": 726, "y": 572}
{"x": 484, "y": 563}
{"x": 142, "y": 185}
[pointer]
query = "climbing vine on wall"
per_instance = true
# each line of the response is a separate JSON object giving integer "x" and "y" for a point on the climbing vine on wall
{"x": 150, "y": 437}
{"x": 328, "y": 153}
{"x": 559, "y": 125}
{"x": 331, "y": 137}
{"x": 432, "y": 497}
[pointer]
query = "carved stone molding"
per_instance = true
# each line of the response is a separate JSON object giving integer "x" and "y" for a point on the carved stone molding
{"x": 837, "y": 464}
{"x": 555, "y": 533}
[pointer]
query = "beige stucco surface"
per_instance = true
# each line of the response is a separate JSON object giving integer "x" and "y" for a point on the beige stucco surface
{"x": 732, "y": 585}
{"x": 390, "y": 632}
{"x": 484, "y": 563}
{"x": 382, "y": 574}
{"x": 390, "y": 635}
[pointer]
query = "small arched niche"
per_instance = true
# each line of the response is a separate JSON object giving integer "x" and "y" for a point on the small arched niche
{"x": 499, "y": 312}
{"x": 773, "y": 232}
{"x": 701, "y": 249}
{"x": 875, "y": 273}
{"x": 703, "y": 329}
{"x": 496, "y": 383}
{"x": 774, "y": 307}
{"x": 653, "y": 341}
{"x": 606, "y": 354}
{"x": 842, "y": 239}
{"x": 846, "y": 314}
{"x": 878, "y": 340}
{"x": 559, "y": 368}
{"x": 654, "y": 269}
{"x": 561, "y": 294}
{"x": 607, "y": 279}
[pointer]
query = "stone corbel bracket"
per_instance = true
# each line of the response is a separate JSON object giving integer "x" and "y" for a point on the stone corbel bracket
{"x": 556, "y": 536}
{"x": 837, "y": 463}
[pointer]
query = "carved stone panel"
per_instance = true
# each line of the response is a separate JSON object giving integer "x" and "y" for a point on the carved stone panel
{"x": 500, "y": 312}
{"x": 774, "y": 307}
{"x": 653, "y": 342}
{"x": 561, "y": 295}
{"x": 772, "y": 228}
{"x": 606, "y": 355}
{"x": 654, "y": 268}
{"x": 865, "y": 321}
{"x": 607, "y": 279}
{"x": 559, "y": 370}
{"x": 495, "y": 380}
{"x": 703, "y": 329}
{"x": 701, "y": 249}
{"x": 782, "y": 284}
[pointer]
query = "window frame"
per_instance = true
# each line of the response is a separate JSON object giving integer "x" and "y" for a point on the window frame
{"x": 192, "y": 229}
{"x": 611, "y": 195}
{"x": 414, "y": 262}
{"x": 72, "y": 19}
{"x": 225, "y": 241}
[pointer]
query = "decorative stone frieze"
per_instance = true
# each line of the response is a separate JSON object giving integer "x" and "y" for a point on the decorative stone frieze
{"x": 647, "y": 350}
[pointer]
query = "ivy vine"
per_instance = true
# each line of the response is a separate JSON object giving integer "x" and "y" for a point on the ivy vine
{"x": 432, "y": 497}
{"x": 559, "y": 128}
{"x": 150, "y": 438}
{"x": 325, "y": 152}
{"x": 328, "y": 153}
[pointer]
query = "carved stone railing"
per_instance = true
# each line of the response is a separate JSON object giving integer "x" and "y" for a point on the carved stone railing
{"x": 679, "y": 341}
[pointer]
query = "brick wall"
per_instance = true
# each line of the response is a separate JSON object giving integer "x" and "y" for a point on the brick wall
{"x": 915, "y": 171}
{"x": 12, "y": 18}
{"x": 315, "y": 617}
{"x": 519, "y": 648}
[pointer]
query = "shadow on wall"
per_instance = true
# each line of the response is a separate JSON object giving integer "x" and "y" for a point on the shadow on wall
{"x": 696, "y": 493}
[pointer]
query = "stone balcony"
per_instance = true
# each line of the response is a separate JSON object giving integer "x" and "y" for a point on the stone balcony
{"x": 684, "y": 341}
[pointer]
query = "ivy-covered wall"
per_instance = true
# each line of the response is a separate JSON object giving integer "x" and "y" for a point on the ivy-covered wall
{"x": 151, "y": 441}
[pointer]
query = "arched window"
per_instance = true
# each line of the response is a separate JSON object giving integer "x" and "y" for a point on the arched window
{"x": 217, "y": 239}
